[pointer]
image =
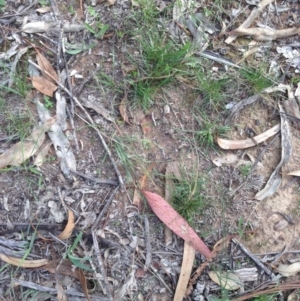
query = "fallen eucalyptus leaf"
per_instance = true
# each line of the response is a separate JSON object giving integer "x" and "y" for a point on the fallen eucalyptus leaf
{"x": 168, "y": 215}
{"x": 19, "y": 262}
{"x": 46, "y": 67}
{"x": 43, "y": 85}
{"x": 286, "y": 152}
{"x": 23, "y": 150}
{"x": 226, "y": 280}
{"x": 69, "y": 227}
{"x": 40, "y": 158}
{"x": 294, "y": 173}
{"x": 242, "y": 144}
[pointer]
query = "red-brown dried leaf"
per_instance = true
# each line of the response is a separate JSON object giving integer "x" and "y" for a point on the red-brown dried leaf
{"x": 168, "y": 215}
{"x": 43, "y": 85}
{"x": 123, "y": 108}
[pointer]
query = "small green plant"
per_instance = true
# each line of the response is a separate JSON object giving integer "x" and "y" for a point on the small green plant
{"x": 78, "y": 262}
{"x": 44, "y": 2}
{"x": 48, "y": 103}
{"x": 212, "y": 89}
{"x": 256, "y": 79}
{"x": 209, "y": 131}
{"x": 2, "y": 5}
{"x": 161, "y": 61}
{"x": 98, "y": 30}
{"x": 187, "y": 198}
{"x": 245, "y": 169}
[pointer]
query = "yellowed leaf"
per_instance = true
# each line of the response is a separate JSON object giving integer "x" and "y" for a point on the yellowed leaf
{"x": 69, "y": 227}
{"x": 43, "y": 85}
{"x": 226, "y": 280}
{"x": 19, "y": 262}
{"x": 242, "y": 144}
{"x": 23, "y": 150}
{"x": 46, "y": 66}
{"x": 185, "y": 273}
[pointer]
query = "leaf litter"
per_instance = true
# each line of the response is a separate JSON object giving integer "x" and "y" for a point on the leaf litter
{"x": 186, "y": 23}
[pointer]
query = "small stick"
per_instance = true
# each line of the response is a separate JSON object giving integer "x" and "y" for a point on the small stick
{"x": 90, "y": 119}
{"x": 103, "y": 211}
{"x": 148, "y": 244}
{"x": 252, "y": 257}
{"x": 101, "y": 266}
{"x": 96, "y": 180}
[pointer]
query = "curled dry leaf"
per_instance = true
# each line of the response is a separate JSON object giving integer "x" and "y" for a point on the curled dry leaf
{"x": 23, "y": 150}
{"x": 46, "y": 66}
{"x": 185, "y": 272}
{"x": 242, "y": 144}
{"x": 123, "y": 108}
{"x": 19, "y": 262}
{"x": 168, "y": 215}
{"x": 43, "y": 85}
{"x": 289, "y": 270}
{"x": 228, "y": 281}
{"x": 69, "y": 227}
{"x": 286, "y": 152}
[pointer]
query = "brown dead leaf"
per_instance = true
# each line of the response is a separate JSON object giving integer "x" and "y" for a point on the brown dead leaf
{"x": 65, "y": 267}
{"x": 46, "y": 67}
{"x": 23, "y": 150}
{"x": 185, "y": 273}
{"x": 146, "y": 124}
{"x": 122, "y": 109}
{"x": 43, "y": 85}
{"x": 69, "y": 227}
{"x": 170, "y": 217}
{"x": 242, "y": 144}
{"x": 83, "y": 283}
{"x": 19, "y": 262}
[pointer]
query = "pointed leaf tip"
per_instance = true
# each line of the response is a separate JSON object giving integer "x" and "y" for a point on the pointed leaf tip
{"x": 170, "y": 217}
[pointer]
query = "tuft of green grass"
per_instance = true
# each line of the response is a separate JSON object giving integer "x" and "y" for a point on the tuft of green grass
{"x": 160, "y": 62}
{"x": 255, "y": 79}
{"x": 212, "y": 89}
{"x": 187, "y": 199}
{"x": 209, "y": 131}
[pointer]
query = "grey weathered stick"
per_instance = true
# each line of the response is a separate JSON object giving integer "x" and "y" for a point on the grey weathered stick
{"x": 91, "y": 122}
{"x": 96, "y": 180}
{"x": 148, "y": 243}
{"x": 101, "y": 266}
{"x": 103, "y": 211}
{"x": 252, "y": 257}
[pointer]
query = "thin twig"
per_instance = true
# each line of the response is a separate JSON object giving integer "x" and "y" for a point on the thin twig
{"x": 252, "y": 257}
{"x": 103, "y": 211}
{"x": 90, "y": 119}
{"x": 101, "y": 266}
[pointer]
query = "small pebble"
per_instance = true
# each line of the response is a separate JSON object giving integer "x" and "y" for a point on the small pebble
{"x": 167, "y": 109}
